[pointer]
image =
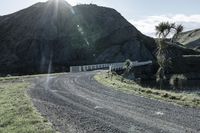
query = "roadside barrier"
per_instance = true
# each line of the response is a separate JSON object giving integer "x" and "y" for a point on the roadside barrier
{"x": 110, "y": 66}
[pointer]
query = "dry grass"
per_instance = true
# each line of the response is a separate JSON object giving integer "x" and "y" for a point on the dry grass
{"x": 127, "y": 86}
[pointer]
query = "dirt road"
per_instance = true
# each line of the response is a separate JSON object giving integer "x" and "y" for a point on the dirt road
{"x": 76, "y": 103}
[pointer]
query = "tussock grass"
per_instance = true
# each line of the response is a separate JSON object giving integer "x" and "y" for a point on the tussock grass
{"x": 17, "y": 113}
{"x": 130, "y": 87}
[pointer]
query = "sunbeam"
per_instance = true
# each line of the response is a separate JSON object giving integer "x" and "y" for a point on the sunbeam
{"x": 49, "y": 71}
{"x": 80, "y": 29}
{"x": 71, "y": 2}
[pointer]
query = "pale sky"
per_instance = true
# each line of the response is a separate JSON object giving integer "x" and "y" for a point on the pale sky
{"x": 143, "y": 14}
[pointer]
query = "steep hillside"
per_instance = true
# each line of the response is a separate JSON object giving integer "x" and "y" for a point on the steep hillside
{"x": 184, "y": 60}
{"x": 58, "y": 35}
{"x": 190, "y": 39}
{"x": 51, "y": 36}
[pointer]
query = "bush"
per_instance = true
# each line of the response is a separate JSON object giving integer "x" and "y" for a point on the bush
{"x": 128, "y": 65}
{"x": 178, "y": 80}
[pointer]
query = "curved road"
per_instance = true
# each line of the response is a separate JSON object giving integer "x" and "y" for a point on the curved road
{"x": 76, "y": 103}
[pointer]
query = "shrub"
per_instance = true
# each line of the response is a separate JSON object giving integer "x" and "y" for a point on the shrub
{"x": 165, "y": 95}
{"x": 178, "y": 80}
{"x": 128, "y": 66}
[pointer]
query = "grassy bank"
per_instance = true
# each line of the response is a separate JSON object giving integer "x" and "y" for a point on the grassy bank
{"x": 14, "y": 78}
{"x": 17, "y": 113}
{"x": 127, "y": 86}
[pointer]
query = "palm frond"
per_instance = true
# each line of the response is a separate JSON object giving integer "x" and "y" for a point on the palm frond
{"x": 179, "y": 29}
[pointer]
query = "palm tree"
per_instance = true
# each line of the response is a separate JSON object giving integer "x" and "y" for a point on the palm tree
{"x": 178, "y": 29}
{"x": 162, "y": 31}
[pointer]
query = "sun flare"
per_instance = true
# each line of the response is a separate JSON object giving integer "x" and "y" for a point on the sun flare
{"x": 71, "y": 2}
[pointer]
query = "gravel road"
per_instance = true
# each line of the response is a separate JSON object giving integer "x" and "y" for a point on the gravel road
{"x": 76, "y": 103}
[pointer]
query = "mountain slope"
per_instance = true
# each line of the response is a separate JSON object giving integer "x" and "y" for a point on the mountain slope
{"x": 190, "y": 39}
{"x": 58, "y": 35}
{"x": 53, "y": 35}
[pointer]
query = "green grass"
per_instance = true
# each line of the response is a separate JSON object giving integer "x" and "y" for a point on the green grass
{"x": 127, "y": 86}
{"x": 17, "y": 113}
{"x": 13, "y": 78}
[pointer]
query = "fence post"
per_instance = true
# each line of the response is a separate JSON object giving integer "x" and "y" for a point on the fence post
{"x": 84, "y": 68}
{"x": 80, "y": 69}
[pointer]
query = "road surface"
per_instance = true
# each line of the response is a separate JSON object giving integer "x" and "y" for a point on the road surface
{"x": 76, "y": 103}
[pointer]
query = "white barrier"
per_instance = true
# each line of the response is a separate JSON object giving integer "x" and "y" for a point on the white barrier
{"x": 112, "y": 66}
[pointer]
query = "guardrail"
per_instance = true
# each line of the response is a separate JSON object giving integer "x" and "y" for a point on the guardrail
{"x": 112, "y": 66}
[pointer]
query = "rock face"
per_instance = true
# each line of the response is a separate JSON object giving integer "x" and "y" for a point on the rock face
{"x": 190, "y": 39}
{"x": 53, "y": 35}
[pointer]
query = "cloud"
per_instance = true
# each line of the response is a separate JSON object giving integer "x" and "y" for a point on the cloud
{"x": 147, "y": 24}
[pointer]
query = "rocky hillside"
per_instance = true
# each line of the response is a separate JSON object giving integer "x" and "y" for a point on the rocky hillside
{"x": 183, "y": 60}
{"x": 57, "y": 34}
{"x": 53, "y": 35}
{"x": 190, "y": 39}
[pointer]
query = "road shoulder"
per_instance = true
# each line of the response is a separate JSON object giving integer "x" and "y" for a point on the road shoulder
{"x": 127, "y": 86}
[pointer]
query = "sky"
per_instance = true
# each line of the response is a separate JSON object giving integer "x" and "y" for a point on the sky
{"x": 143, "y": 14}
